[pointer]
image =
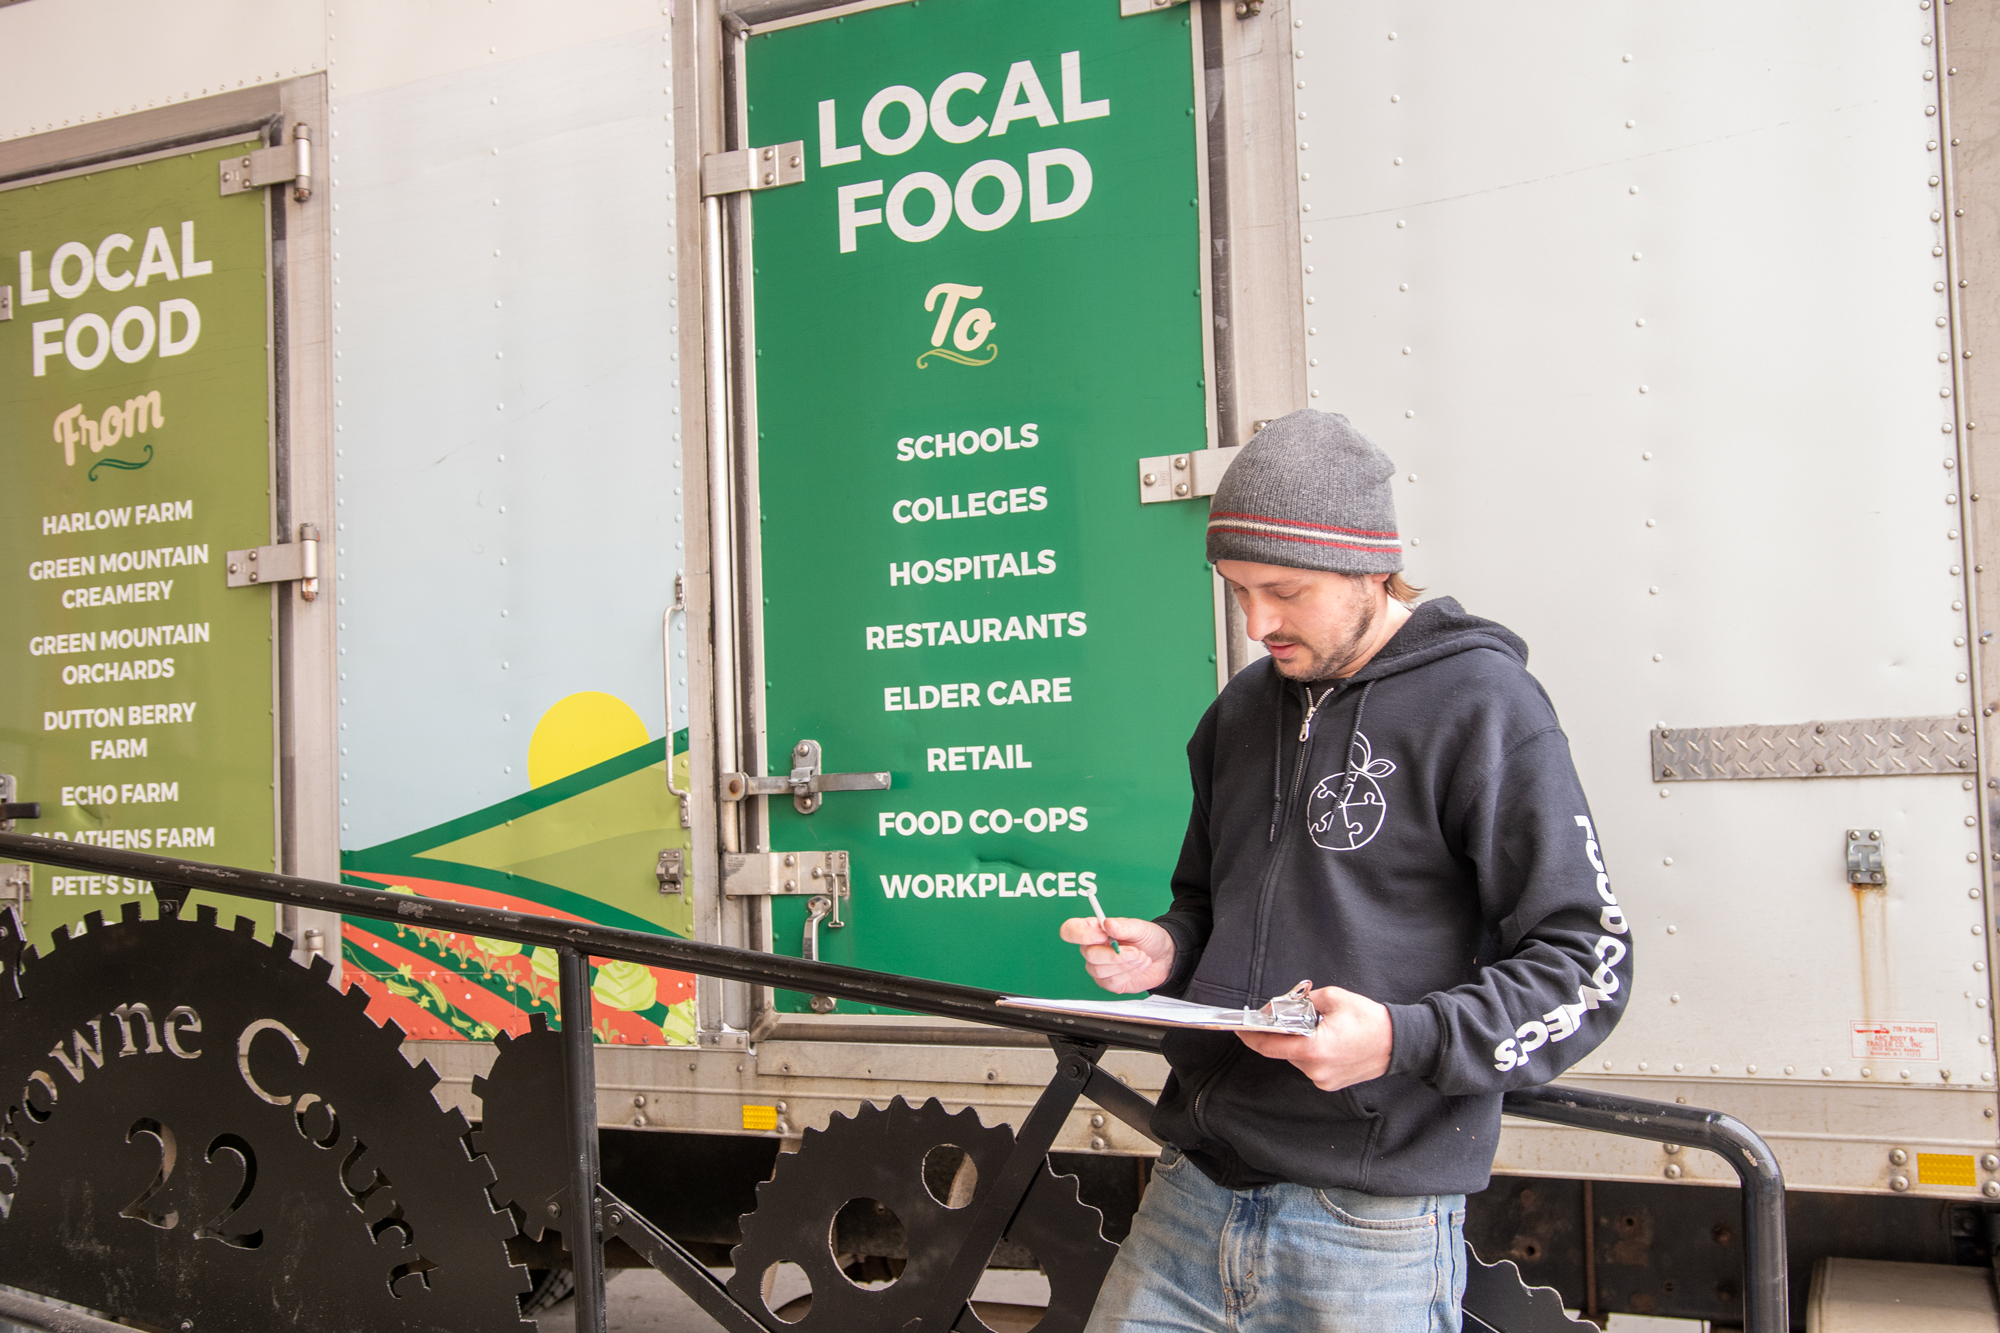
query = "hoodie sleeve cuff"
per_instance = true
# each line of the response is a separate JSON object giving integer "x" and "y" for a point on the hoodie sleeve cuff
{"x": 1187, "y": 953}
{"x": 1417, "y": 1040}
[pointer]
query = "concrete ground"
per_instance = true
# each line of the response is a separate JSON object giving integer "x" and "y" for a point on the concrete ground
{"x": 639, "y": 1300}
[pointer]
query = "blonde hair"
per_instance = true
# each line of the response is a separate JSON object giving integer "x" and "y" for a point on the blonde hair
{"x": 1402, "y": 590}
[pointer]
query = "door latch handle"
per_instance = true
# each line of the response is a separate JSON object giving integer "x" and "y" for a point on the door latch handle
{"x": 11, "y": 809}
{"x": 667, "y": 666}
{"x": 805, "y": 783}
{"x": 816, "y": 912}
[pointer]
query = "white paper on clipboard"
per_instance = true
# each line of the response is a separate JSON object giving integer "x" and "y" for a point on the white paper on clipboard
{"x": 1291, "y": 1013}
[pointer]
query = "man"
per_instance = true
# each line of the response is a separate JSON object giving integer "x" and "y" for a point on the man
{"x": 1385, "y": 806}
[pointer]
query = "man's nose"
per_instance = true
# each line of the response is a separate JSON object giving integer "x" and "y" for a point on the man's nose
{"x": 1258, "y": 620}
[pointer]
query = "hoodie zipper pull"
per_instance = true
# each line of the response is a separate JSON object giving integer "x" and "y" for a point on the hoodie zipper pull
{"x": 1305, "y": 727}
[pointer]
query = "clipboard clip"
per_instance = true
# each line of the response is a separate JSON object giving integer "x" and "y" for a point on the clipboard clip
{"x": 1291, "y": 1012}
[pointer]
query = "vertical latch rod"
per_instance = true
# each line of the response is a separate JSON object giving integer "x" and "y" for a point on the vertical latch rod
{"x": 302, "y": 154}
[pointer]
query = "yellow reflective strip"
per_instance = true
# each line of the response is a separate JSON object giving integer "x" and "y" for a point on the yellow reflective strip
{"x": 1938, "y": 1168}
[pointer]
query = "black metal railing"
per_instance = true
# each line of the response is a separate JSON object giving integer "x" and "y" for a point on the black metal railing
{"x": 1078, "y": 1041}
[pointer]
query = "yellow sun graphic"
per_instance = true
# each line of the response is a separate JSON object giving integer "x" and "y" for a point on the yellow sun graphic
{"x": 583, "y": 729}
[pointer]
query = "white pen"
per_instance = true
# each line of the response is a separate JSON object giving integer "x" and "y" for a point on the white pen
{"x": 1098, "y": 908}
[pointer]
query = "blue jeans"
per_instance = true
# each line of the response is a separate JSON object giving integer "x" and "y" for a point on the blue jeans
{"x": 1283, "y": 1259}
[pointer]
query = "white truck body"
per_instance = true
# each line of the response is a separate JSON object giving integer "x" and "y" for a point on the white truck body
{"x": 1668, "y": 318}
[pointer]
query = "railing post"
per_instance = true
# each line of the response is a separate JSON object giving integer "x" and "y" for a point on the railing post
{"x": 581, "y": 1228}
{"x": 1766, "y": 1261}
{"x": 1766, "y": 1271}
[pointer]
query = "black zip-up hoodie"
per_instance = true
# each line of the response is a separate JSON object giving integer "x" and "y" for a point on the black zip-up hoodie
{"x": 1426, "y": 844}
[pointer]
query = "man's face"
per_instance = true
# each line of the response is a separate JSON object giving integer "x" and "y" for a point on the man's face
{"x": 1315, "y": 625}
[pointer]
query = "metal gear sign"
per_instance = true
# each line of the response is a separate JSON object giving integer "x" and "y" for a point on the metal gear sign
{"x": 881, "y": 1153}
{"x": 201, "y": 1135}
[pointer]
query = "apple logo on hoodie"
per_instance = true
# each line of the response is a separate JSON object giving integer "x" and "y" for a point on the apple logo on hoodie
{"x": 1347, "y": 809}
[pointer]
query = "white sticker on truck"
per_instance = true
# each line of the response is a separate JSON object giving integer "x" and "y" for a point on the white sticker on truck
{"x": 1894, "y": 1040}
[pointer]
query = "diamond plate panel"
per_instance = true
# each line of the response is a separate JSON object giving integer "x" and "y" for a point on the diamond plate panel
{"x": 1860, "y": 748}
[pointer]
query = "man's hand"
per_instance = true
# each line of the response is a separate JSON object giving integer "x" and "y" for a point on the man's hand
{"x": 1144, "y": 958}
{"x": 1351, "y": 1044}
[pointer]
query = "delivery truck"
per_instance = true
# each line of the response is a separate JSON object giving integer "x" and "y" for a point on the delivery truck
{"x": 522, "y": 455}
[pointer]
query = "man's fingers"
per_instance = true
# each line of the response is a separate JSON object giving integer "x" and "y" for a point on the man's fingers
{"x": 1121, "y": 954}
{"x": 1089, "y": 930}
{"x": 1327, "y": 999}
{"x": 1100, "y": 961}
{"x": 1083, "y": 930}
{"x": 1124, "y": 973}
{"x": 1279, "y": 1046}
{"x": 1123, "y": 929}
{"x": 1119, "y": 980}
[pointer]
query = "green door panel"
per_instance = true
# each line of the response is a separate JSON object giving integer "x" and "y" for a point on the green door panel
{"x": 1007, "y": 261}
{"x": 136, "y": 698}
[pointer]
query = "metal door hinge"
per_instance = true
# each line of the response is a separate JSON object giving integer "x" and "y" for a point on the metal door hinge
{"x": 16, "y": 884}
{"x": 272, "y": 166}
{"x": 754, "y": 168}
{"x": 786, "y": 874}
{"x": 11, "y": 809}
{"x": 818, "y": 877}
{"x": 6, "y": 303}
{"x": 805, "y": 783}
{"x": 1183, "y": 476}
{"x": 286, "y": 563}
{"x": 1864, "y": 856}
{"x": 725, "y": 1039}
{"x": 671, "y": 871}
{"x": 1129, "y": 8}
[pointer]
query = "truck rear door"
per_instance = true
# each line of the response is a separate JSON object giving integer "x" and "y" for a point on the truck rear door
{"x": 136, "y": 423}
{"x": 979, "y": 310}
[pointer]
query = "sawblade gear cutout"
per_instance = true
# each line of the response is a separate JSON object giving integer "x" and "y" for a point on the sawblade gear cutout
{"x": 881, "y": 1154}
{"x": 198, "y": 1133}
{"x": 521, "y": 1126}
{"x": 1499, "y": 1300}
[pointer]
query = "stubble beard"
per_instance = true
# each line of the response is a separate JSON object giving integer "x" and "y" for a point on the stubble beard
{"x": 1331, "y": 661}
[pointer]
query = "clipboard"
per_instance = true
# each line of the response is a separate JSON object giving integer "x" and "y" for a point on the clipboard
{"x": 1290, "y": 1014}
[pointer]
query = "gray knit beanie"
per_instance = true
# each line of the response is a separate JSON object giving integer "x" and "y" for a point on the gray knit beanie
{"x": 1311, "y": 492}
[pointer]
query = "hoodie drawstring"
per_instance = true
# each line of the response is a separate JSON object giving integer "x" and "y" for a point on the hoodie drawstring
{"x": 1360, "y": 706}
{"x": 1277, "y": 758}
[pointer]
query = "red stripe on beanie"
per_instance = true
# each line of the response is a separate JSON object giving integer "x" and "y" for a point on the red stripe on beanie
{"x": 1299, "y": 523}
{"x": 1309, "y": 541}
